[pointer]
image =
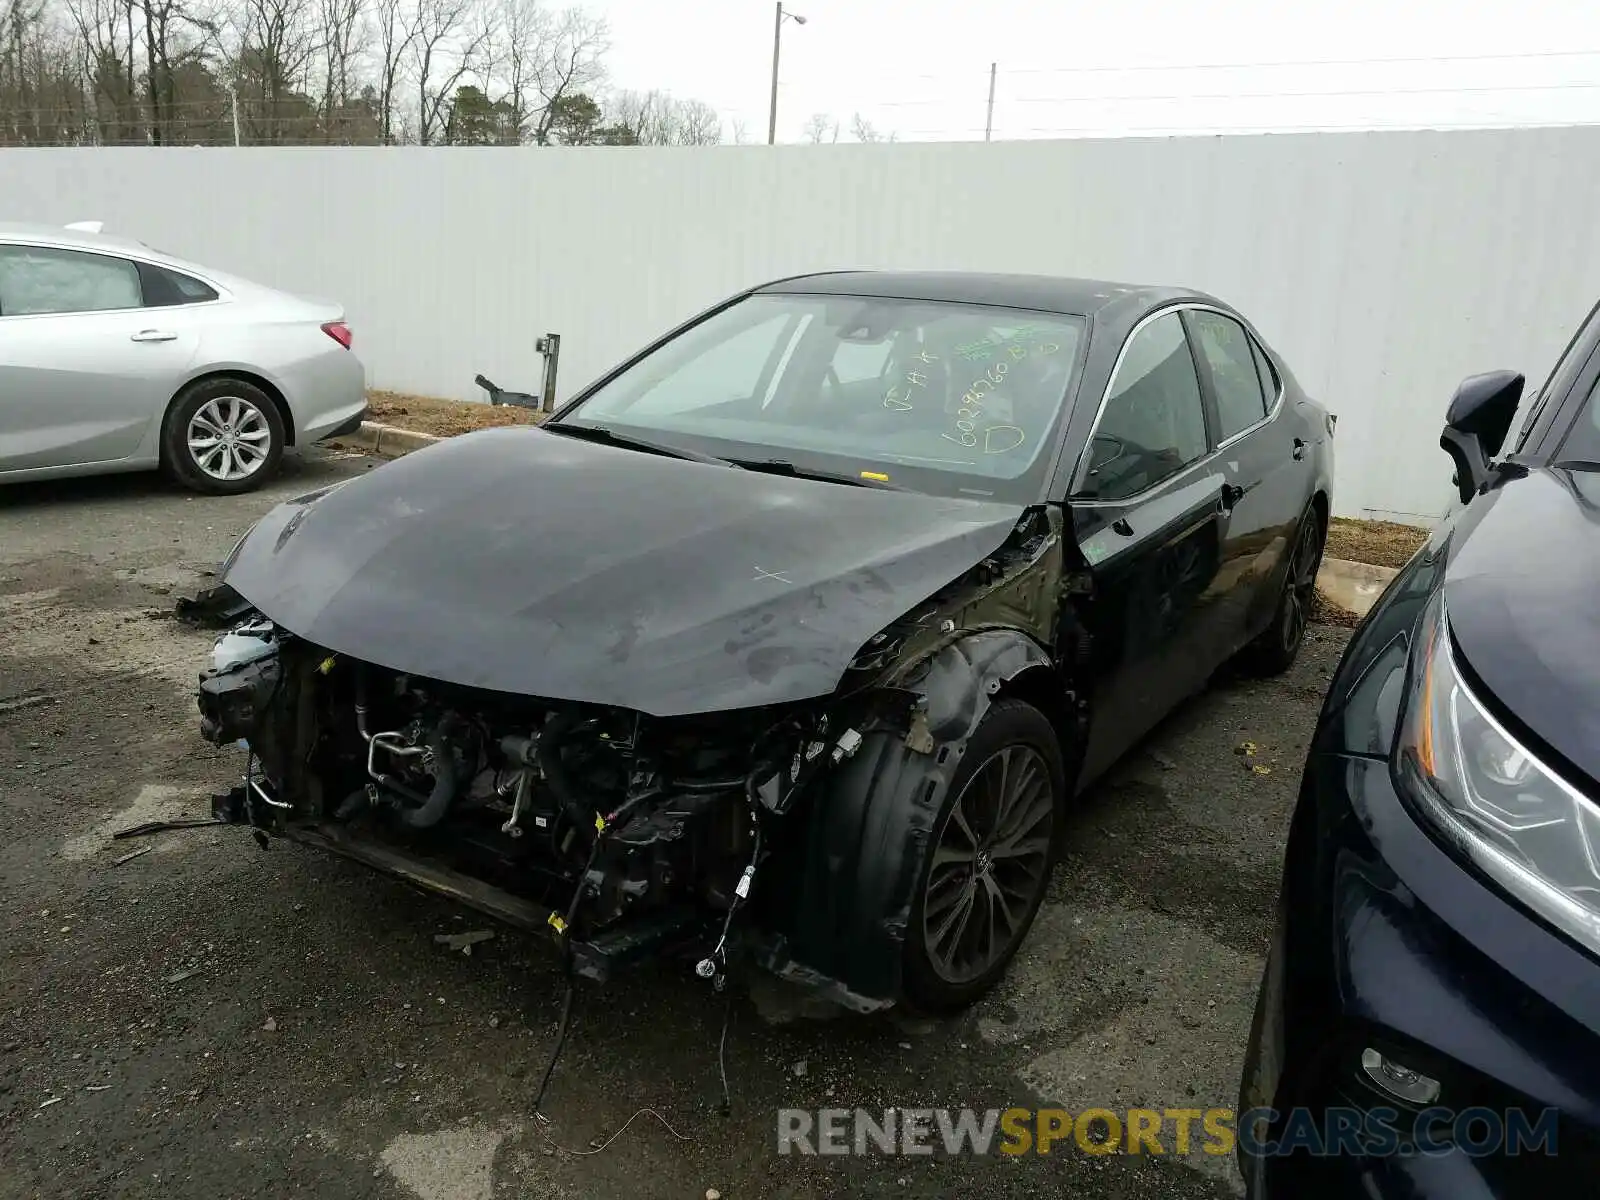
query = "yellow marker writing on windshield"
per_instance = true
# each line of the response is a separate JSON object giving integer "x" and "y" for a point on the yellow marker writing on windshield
{"x": 878, "y": 475}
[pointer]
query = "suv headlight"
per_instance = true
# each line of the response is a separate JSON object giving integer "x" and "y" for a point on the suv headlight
{"x": 1502, "y": 809}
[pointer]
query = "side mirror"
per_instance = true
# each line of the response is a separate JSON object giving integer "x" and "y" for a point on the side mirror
{"x": 1476, "y": 426}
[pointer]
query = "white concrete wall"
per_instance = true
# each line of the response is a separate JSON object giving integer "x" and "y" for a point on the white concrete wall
{"x": 1385, "y": 266}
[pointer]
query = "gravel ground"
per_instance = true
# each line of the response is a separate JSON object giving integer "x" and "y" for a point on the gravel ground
{"x": 210, "y": 1019}
{"x": 444, "y": 418}
{"x": 1381, "y": 543}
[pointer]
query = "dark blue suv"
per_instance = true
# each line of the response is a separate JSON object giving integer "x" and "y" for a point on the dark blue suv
{"x": 1429, "y": 1020}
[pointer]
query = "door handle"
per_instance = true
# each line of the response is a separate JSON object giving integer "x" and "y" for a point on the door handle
{"x": 1299, "y": 449}
{"x": 1231, "y": 495}
{"x": 153, "y": 335}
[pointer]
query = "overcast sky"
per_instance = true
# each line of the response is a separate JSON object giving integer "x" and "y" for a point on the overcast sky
{"x": 921, "y": 69}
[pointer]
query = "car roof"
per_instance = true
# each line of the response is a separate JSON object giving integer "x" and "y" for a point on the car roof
{"x": 1101, "y": 298}
{"x": 60, "y": 235}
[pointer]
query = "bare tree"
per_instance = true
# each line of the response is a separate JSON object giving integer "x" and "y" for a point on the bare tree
{"x": 445, "y": 46}
{"x": 342, "y": 29}
{"x": 821, "y": 128}
{"x": 271, "y": 69}
{"x": 396, "y": 34}
{"x": 863, "y": 130}
{"x": 570, "y": 49}
{"x": 697, "y": 124}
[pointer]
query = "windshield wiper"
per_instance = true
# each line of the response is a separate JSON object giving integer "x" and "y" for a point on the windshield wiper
{"x": 598, "y": 433}
{"x": 782, "y": 466}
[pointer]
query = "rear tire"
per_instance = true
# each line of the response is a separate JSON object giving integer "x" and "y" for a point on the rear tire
{"x": 1275, "y": 650}
{"x": 989, "y": 860}
{"x": 222, "y": 437}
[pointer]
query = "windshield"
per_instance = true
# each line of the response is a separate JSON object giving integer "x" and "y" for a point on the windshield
{"x": 1582, "y": 443}
{"x": 938, "y": 397}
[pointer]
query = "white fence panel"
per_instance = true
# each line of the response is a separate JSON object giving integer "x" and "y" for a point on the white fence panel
{"x": 1385, "y": 266}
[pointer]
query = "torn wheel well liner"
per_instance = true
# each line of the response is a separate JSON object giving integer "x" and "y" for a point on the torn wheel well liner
{"x": 857, "y": 871}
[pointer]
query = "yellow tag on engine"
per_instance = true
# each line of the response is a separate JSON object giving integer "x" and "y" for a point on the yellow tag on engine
{"x": 599, "y": 823}
{"x": 557, "y": 923}
{"x": 326, "y": 665}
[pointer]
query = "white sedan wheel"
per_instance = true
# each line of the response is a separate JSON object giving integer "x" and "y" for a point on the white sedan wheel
{"x": 229, "y": 438}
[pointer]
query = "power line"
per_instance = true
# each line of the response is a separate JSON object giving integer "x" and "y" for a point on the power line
{"x": 1503, "y": 56}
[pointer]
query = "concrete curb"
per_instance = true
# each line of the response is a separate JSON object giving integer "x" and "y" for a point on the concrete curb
{"x": 1353, "y": 585}
{"x": 388, "y": 441}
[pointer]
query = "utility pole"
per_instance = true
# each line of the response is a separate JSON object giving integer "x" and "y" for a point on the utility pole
{"x": 233, "y": 96}
{"x": 777, "y": 42}
{"x": 988, "y": 124}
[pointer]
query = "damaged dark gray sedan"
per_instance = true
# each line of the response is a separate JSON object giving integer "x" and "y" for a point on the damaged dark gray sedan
{"x": 792, "y": 638}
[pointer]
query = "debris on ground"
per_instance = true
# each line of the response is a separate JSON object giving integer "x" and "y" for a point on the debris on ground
{"x": 463, "y": 942}
{"x": 1245, "y": 749}
{"x": 216, "y": 607}
{"x": 270, "y": 1025}
{"x": 1325, "y": 612}
{"x": 49, "y": 1102}
{"x": 443, "y": 418}
{"x": 180, "y": 976}
{"x": 1381, "y": 543}
{"x": 130, "y": 857}
{"x": 150, "y": 827}
{"x": 800, "y": 1068}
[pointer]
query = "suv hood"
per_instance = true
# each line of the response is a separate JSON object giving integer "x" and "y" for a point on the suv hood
{"x": 1520, "y": 590}
{"x": 532, "y": 563}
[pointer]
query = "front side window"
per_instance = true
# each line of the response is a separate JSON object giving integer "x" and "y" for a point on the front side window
{"x": 1234, "y": 372}
{"x": 1153, "y": 424}
{"x": 41, "y": 279}
{"x": 943, "y": 397}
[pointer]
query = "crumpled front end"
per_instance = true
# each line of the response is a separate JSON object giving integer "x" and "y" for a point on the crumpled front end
{"x": 624, "y": 835}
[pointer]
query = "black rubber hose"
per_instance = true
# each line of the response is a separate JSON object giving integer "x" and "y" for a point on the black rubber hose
{"x": 555, "y": 732}
{"x": 444, "y": 787}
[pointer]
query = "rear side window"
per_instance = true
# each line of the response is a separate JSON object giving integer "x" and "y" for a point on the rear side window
{"x": 1235, "y": 374}
{"x": 1153, "y": 424}
{"x": 164, "y": 287}
{"x": 43, "y": 279}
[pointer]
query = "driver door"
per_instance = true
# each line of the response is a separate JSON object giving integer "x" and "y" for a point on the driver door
{"x": 1147, "y": 509}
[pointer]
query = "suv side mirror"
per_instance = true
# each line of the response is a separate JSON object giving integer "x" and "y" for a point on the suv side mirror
{"x": 1476, "y": 426}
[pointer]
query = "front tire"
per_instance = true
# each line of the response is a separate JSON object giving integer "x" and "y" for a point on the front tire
{"x": 222, "y": 437}
{"x": 989, "y": 859}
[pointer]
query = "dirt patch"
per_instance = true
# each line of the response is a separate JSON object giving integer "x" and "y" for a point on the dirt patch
{"x": 1325, "y": 612}
{"x": 1381, "y": 543}
{"x": 443, "y": 418}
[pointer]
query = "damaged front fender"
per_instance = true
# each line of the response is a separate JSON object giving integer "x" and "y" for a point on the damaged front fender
{"x": 867, "y": 841}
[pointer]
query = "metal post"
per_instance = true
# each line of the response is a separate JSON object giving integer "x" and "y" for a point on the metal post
{"x": 777, "y": 41}
{"x": 233, "y": 95}
{"x": 550, "y": 346}
{"x": 988, "y": 124}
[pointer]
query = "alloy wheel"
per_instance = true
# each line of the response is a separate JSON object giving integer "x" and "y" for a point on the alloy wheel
{"x": 229, "y": 438}
{"x": 989, "y": 864}
{"x": 1301, "y": 584}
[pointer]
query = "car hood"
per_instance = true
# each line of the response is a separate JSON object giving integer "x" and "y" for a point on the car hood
{"x": 1520, "y": 591}
{"x": 533, "y": 563}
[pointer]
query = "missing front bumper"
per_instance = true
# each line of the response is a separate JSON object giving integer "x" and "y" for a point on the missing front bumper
{"x": 657, "y": 935}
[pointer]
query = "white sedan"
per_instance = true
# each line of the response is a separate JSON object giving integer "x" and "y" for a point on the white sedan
{"x": 116, "y": 357}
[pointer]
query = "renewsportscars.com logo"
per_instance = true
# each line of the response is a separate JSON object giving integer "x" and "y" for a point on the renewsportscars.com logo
{"x": 1371, "y": 1132}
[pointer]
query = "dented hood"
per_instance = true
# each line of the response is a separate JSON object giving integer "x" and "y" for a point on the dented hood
{"x": 533, "y": 563}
